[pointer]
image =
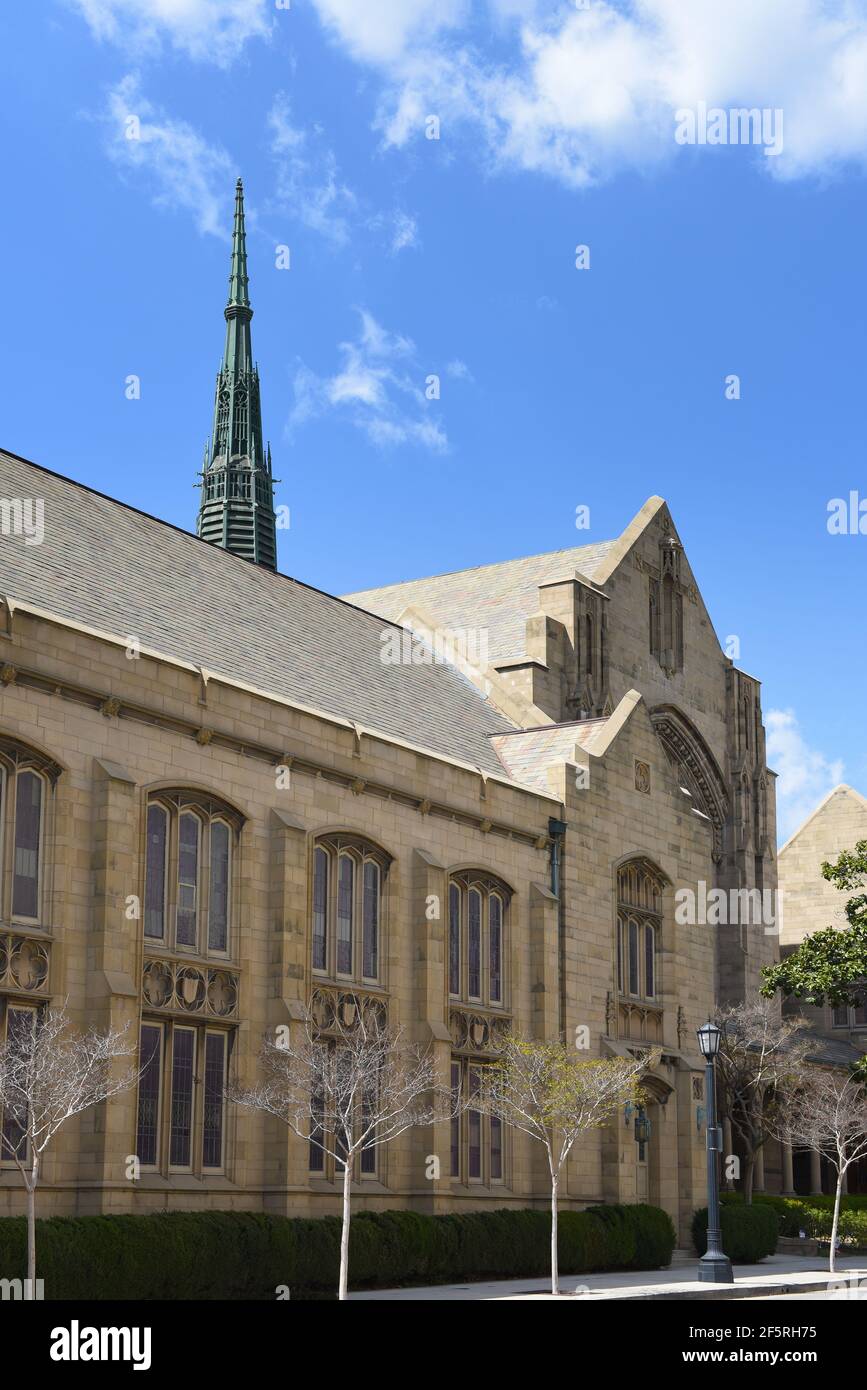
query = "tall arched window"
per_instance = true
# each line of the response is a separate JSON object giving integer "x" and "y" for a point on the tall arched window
{"x": 26, "y": 782}
{"x": 189, "y": 853}
{"x": 478, "y": 910}
{"x": 348, "y": 894}
{"x": 639, "y": 921}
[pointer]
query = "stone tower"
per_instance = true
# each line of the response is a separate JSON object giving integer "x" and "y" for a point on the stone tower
{"x": 237, "y": 507}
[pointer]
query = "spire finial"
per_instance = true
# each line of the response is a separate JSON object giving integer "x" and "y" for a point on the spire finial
{"x": 237, "y": 509}
{"x": 239, "y": 297}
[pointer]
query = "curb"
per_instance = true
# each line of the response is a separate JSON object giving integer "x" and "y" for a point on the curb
{"x": 718, "y": 1292}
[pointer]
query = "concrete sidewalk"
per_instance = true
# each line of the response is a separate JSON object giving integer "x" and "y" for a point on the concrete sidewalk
{"x": 776, "y": 1275}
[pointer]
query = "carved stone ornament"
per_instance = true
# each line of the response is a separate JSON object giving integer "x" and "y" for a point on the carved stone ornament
{"x": 642, "y": 777}
{"x": 23, "y": 963}
{"x": 477, "y": 1033}
{"x": 190, "y": 989}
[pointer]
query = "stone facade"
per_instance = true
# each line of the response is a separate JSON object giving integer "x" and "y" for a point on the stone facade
{"x": 658, "y": 771}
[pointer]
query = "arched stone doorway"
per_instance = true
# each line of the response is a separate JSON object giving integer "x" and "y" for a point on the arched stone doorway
{"x": 652, "y": 1141}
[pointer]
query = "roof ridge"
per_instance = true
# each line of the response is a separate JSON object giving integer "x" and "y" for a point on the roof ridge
{"x": 819, "y": 807}
{"x": 493, "y": 564}
{"x": 228, "y": 555}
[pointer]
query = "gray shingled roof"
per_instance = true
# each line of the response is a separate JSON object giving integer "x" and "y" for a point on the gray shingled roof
{"x": 108, "y": 566}
{"x": 497, "y": 597}
{"x": 527, "y": 756}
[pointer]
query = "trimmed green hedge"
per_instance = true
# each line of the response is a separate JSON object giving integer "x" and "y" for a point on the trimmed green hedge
{"x": 813, "y": 1215}
{"x": 247, "y": 1255}
{"x": 748, "y": 1233}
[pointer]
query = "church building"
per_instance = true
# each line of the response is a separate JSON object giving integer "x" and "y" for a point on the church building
{"x": 227, "y": 797}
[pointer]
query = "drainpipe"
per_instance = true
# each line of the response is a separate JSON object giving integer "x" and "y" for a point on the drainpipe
{"x": 557, "y": 832}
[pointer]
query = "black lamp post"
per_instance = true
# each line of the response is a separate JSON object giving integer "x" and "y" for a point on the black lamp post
{"x": 714, "y": 1267}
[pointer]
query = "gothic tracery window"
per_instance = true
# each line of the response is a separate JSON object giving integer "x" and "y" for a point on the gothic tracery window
{"x": 190, "y": 849}
{"x": 26, "y": 784}
{"x": 639, "y": 925}
{"x": 348, "y": 895}
{"x": 478, "y": 908}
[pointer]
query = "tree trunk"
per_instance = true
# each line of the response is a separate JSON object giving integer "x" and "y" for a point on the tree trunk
{"x": 832, "y": 1259}
{"x": 30, "y": 1288}
{"x": 555, "y": 1268}
{"x": 344, "y": 1234}
{"x": 749, "y": 1173}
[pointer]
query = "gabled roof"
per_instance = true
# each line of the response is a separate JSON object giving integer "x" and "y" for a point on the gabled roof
{"x": 841, "y": 790}
{"x": 109, "y": 567}
{"x": 527, "y": 754}
{"x": 498, "y": 598}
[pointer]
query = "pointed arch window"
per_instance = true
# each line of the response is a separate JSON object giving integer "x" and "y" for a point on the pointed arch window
{"x": 27, "y": 782}
{"x": 321, "y": 863}
{"x": 29, "y": 795}
{"x": 478, "y": 925}
{"x": 218, "y": 900}
{"x": 156, "y": 870}
{"x": 189, "y": 872}
{"x": 454, "y": 939}
{"x": 640, "y": 890}
{"x": 349, "y": 876}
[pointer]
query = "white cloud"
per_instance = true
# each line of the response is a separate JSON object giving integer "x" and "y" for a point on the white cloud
{"x": 382, "y": 30}
{"x": 583, "y": 93}
{"x": 377, "y": 387}
{"x": 309, "y": 186}
{"x": 308, "y": 179}
{"x": 210, "y": 30}
{"x": 180, "y": 167}
{"x": 404, "y": 231}
{"x": 805, "y": 774}
{"x": 459, "y": 370}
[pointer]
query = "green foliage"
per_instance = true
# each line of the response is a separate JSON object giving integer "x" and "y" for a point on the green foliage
{"x": 748, "y": 1233}
{"x": 246, "y": 1255}
{"x": 830, "y": 965}
{"x": 813, "y": 1215}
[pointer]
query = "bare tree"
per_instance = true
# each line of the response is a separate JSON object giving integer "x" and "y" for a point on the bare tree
{"x": 761, "y": 1062}
{"x": 828, "y": 1113}
{"x": 49, "y": 1073}
{"x": 349, "y": 1087}
{"x": 552, "y": 1094}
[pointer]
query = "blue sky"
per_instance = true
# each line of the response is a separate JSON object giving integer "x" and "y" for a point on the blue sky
{"x": 413, "y": 256}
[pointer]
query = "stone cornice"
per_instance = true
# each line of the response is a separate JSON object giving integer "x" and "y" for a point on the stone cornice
{"x": 275, "y": 757}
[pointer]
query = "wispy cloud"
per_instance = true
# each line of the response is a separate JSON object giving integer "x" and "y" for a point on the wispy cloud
{"x": 805, "y": 775}
{"x": 308, "y": 178}
{"x": 208, "y": 30}
{"x": 311, "y": 189}
{"x": 404, "y": 231}
{"x": 179, "y": 167}
{"x": 581, "y": 93}
{"x": 377, "y": 387}
{"x": 459, "y": 370}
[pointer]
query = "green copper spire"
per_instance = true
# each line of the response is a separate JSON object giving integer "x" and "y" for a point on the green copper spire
{"x": 237, "y": 509}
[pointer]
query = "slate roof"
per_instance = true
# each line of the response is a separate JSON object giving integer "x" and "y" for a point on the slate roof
{"x": 107, "y": 566}
{"x": 527, "y": 754}
{"x": 498, "y": 597}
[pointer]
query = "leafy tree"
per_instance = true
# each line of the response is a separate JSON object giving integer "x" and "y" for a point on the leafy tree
{"x": 547, "y": 1092}
{"x": 830, "y": 965}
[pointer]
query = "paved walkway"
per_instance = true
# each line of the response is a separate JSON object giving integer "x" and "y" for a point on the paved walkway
{"x": 777, "y": 1275}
